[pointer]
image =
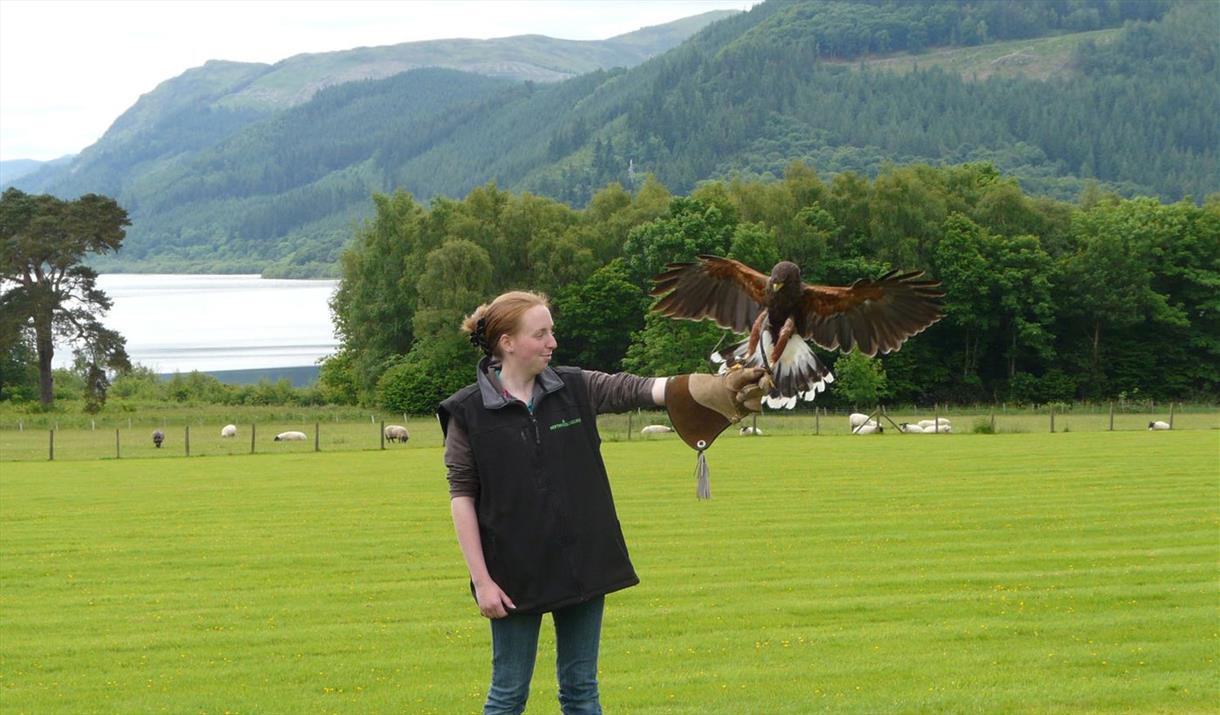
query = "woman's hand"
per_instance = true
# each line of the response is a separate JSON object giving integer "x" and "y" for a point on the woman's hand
{"x": 493, "y": 602}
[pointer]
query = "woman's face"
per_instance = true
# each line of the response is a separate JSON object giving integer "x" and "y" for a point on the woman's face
{"x": 530, "y": 348}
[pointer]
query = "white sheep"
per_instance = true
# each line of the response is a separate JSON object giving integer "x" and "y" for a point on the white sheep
{"x": 910, "y": 428}
{"x": 856, "y": 419}
{"x": 396, "y": 433}
{"x": 869, "y": 429}
{"x": 290, "y": 437}
{"x": 943, "y": 428}
{"x": 228, "y": 431}
{"x": 1158, "y": 425}
{"x": 655, "y": 429}
{"x": 932, "y": 423}
{"x": 748, "y": 430}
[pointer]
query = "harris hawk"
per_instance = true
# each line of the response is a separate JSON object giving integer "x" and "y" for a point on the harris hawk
{"x": 870, "y": 315}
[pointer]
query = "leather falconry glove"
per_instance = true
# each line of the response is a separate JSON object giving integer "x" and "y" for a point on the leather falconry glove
{"x": 701, "y": 406}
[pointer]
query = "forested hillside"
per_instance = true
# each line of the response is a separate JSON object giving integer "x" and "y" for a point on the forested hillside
{"x": 1046, "y": 301}
{"x": 1133, "y": 108}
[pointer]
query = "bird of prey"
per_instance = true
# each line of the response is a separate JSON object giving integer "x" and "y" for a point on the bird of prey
{"x": 870, "y": 315}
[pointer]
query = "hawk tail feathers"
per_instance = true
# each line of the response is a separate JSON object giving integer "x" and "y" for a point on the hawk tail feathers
{"x": 798, "y": 374}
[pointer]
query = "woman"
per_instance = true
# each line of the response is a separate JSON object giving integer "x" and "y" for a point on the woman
{"x": 530, "y": 498}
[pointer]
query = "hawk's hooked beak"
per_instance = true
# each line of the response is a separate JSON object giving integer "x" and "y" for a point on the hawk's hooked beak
{"x": 776, "y": 286}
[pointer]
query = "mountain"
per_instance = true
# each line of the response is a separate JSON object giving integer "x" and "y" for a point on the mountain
{"x": 13, "y": 169}
{"x": 1059, "y": 95}
{"x": 207, "y": 104}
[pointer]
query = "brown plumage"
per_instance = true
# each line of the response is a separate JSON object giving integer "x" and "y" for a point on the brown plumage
{"x": 872, "y": 316}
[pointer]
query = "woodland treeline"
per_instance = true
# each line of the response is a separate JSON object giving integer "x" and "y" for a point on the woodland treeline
{"x": 1102, "y": 298}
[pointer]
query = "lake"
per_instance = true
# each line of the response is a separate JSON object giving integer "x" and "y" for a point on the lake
{"x": 179, "y": 323}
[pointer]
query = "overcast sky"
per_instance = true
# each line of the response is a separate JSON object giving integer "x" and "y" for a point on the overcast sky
{"x": 68, "y": 68}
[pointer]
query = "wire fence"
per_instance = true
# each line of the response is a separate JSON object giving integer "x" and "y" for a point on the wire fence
{"x": 76, "y": 437}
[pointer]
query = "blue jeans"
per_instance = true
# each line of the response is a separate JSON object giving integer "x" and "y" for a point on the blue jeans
{"x": 514, "y": 647}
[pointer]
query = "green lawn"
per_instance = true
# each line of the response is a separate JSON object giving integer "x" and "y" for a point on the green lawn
{"x": 971, "y": 573}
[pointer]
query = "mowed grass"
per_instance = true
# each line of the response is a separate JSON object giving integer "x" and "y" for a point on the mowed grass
{"x": 1071, "y": 573}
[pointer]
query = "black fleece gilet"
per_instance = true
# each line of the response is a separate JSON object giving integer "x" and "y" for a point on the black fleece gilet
{"x": 547, "y": 522}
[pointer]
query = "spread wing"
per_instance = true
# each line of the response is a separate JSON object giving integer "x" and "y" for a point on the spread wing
{"x": 871, "y": 315}
{"x": 727, "y": 291}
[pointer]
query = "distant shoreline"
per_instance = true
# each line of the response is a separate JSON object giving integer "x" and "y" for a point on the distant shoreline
{"x": 298, "y": 375}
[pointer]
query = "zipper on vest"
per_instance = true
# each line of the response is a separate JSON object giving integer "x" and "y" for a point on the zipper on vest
{"x": 537, "y": 434}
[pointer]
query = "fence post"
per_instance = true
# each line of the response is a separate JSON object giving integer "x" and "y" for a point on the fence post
{"x": 993, "y": 419}
{"x": 381, "y": 434}
{"x": 936, "y": 417}
{"x": 51, "y": 457}
{"x": 252, "y": 427}
{"x": 630, "y": 415}
{"x": 188, "y": 440}
{"x": 92, "y": 425}
{"x": 20, "y": 426}
{"x": 117, "y": 453}
{"x": 1171, "y": 415}
{"x": 817, "y": 421}
{"x": 1052, "y": 418}
{"x": 128, "y": 423}
{"x": 1111, "y": 415}
{"x": 317, "y": 431}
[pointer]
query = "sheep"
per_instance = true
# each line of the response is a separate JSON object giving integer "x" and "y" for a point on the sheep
{"x": 932, "y": 423}
{"x": 943, "y": 428}
{"x": 158, "y": 438}
{"x": 396, "y": 433}
{"x": 1158, "y": 425}
{"x": 747, "y": 430}
{"x": 856, "y": 419}
{"x": 655, "y": 429}
{"x": 228, "y": 431}
{"x": 290, "y": 437}
{"x": 910, "y": 428}
{"x": 870, "y": 429}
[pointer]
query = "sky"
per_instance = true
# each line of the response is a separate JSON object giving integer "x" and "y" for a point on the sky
{"x": 68, "y": 69}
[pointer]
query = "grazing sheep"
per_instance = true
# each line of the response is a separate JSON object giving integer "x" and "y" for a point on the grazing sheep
{"x": 158, "y": 438}
{"x": 748, "y": 430}
{"x": 1158, "y": 425}
{"x": 856, "y": 419}
{"x": 869, "y": 429}
{"x": 910, "y": 428}
{"x": 396, "y": 433}
{"x": 655, "y": 429}
{"x": 290, "y": 437}
{"x": 228, "y": 431}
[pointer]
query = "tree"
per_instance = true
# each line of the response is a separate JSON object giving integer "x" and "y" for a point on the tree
{"x": 47, "y": 289}
{"x": 597, "y": 317}
{"x": 860, "y": 379}
{"x": 374, "y": 306}
{"x": 672, "y": 347}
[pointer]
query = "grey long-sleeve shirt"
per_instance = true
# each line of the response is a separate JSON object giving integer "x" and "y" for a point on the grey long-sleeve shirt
{"x": 607, "y": 393}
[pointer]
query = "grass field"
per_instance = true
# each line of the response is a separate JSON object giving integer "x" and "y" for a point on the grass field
{"x": 1040, "y": 573}
{"x": 1036, "y": 58}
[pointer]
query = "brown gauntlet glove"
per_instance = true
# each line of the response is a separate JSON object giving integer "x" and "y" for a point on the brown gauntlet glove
{"x": 701, "y": 406}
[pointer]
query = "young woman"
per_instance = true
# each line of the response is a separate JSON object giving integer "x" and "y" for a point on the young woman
{"x": 530, "y": 497}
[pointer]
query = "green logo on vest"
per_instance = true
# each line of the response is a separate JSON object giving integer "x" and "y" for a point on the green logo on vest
{"x": 565, "y": 423}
